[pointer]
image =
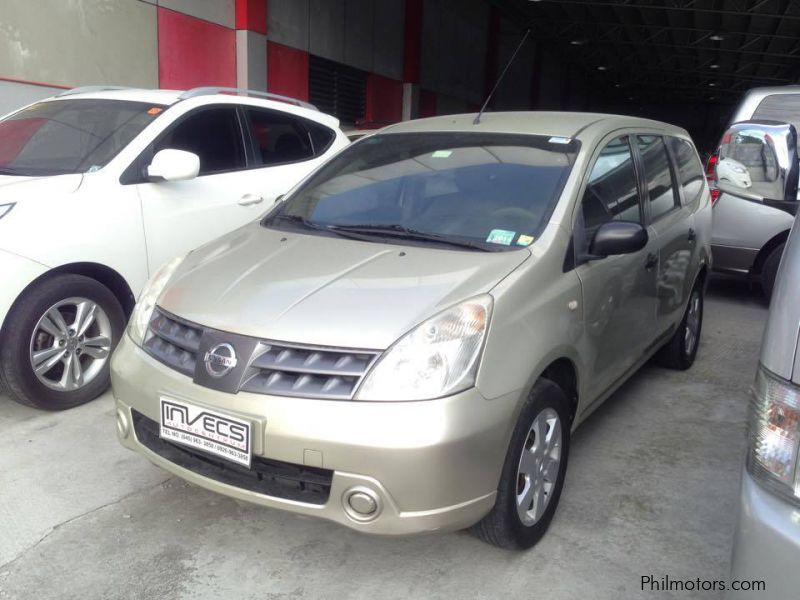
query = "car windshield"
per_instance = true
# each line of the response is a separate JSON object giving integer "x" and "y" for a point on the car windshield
{"x": 474, "y": 190}
{"x": 70, "y": 136}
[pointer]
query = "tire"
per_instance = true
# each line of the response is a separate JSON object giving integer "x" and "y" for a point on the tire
{"x": 504, "y": 525}
{"x": 678, "y": 353}
{"x": 770, "y": 271}
{"x": 82, "y": 335}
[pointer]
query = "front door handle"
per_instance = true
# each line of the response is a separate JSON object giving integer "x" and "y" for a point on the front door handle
{"x": 250, "y": 199}
{"x": 652, "y": 261}
{"x": 691, "y": 236}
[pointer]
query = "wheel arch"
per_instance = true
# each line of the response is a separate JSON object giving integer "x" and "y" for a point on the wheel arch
{"x": 103, "y": 274}
{"x": 766, "y": 250}
{"x": 563, "y": 372}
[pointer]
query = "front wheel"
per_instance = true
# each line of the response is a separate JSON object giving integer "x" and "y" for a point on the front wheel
{"x": 533, "y": 473}
{"x": 57, "y": 342}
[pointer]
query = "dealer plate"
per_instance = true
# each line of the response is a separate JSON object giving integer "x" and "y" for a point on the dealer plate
{"x": 207, "y": 430}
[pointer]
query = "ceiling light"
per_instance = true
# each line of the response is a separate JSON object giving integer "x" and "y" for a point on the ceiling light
{"x": 576, "y": 42}
{"x": 712, "y": 84}
{"x": 713, "y": 66}
{"x": 616, "y": 85}
{"x": 601, "y": 68}
{"x": 717, "y": 37}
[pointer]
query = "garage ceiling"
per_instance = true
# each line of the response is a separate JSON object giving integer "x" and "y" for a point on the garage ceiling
{"x": 671, "y": 51}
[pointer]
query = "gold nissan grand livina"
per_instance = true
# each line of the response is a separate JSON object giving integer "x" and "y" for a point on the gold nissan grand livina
{"x": 407, "y": 340}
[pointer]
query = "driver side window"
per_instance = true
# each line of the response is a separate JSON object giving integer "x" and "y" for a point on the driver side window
{"x": 611, "y": 192}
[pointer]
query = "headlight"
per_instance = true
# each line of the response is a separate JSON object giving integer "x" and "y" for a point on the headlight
{"x": 435, "y": 359}
{"x": 774, "y": 433}
{"x": 137, "y": 328}
{"x": 5, "y": 209}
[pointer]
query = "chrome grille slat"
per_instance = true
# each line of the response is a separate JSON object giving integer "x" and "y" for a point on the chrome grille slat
{"x": 275, "y": 368}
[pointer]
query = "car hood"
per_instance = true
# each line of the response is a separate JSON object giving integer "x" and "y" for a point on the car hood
{"x": 330, "y": 291}
{"x": 14, "y": 188}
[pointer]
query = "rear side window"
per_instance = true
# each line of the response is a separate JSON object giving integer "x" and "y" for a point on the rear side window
{"x": 658, "y": 175}
{"x": 280, "y": 138}
{"x": 611, "y": 193}
{"x": 214, "y": 135}
{"x": 689, "y": 170}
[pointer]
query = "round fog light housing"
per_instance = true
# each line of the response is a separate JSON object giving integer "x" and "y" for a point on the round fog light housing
{"x": 123, "y": 426}
{"x": 361, "y": 504}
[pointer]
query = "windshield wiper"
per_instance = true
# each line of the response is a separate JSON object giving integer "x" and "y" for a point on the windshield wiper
{"x": 303, "y": 222}
{"x": 400, "y": 232}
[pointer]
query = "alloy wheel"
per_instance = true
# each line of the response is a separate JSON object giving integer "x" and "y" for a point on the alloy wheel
{"x": 70, "y": 344}
{"x": 539, "y": 464}
{"x": 692, "y": 331}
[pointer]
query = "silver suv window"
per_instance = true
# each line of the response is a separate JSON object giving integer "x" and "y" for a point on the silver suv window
{"x": 493, "y": 191}
{"x": 689, "y": 170}
{"x": 611, "y": 193}
{"x": 658, "y": 175}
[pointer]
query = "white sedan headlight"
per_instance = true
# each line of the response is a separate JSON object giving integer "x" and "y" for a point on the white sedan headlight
{"x": 140, "y": 319}
{"x": 774, "y": 432}
{"x": 435, "y": 359}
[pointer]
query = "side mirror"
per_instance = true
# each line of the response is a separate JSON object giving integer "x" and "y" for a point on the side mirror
{"x": 617, "y": 237}
{"x": 758, "y": 162}
{"x": 173, "y": 165}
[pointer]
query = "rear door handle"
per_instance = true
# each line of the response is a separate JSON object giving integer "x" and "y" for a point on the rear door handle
{"x": 250, "y": 199}
{"x": 692, "y": 236}
{"x": 652, "y": 261}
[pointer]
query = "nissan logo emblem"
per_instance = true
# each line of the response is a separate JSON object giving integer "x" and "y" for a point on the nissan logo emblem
{"x": 220, "y": 360}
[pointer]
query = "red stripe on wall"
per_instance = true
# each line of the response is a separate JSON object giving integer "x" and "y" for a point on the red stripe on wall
{"x": 37, "y": 83}
{"x": 252, "y": 15}
{"x": 287, "y": 71}
{"x": 384, "y": 99}
{"x": 193, "y": 52}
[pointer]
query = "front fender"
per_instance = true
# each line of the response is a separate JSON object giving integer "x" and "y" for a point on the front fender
{"x": 17, "y": 274}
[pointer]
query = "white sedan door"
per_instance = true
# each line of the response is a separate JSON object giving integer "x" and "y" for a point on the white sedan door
{"x": 249, "y": 157}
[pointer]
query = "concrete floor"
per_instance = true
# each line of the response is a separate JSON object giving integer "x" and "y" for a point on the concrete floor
{"x": 651, "y": 489}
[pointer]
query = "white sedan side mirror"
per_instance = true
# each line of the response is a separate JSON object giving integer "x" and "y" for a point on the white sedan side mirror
{"x": 174, "y": 165}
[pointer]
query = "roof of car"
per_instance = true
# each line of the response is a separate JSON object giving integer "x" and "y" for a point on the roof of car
{"x": 170, "y": 97}
{"x": 556, "y": 124}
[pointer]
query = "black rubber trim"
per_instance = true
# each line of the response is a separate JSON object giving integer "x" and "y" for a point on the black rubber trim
{"x": 268, "y": 477}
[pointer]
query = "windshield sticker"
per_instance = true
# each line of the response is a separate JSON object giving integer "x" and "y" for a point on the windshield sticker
{"x": 441, "y": 154}
{"x": 93, "y": 168}
{"x": 501, "y": 236}
{"x": 154, "y": 111}
{"x": 525, "y": 240}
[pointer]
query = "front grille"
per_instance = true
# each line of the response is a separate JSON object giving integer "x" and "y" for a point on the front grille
{"x": 275, "y": 368}
{"x": 269, "y": 477}
{"x": 173, "y": 342}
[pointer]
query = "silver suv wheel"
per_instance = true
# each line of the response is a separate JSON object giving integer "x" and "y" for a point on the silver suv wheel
{"x": 70, "y": 344}
{"x": 692, "y": 322}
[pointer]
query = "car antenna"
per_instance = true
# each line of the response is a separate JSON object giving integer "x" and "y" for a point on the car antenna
{"x": 499, "y": 79}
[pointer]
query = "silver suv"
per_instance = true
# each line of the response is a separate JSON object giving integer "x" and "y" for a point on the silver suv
{"x": 767, "y": 542}
{"x": 750, "y": 229}
{"x": 407, "y": 341}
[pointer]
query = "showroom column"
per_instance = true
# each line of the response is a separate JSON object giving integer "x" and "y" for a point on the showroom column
{"x": 411, "y": 59}
{"x": 251, "y": 44}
